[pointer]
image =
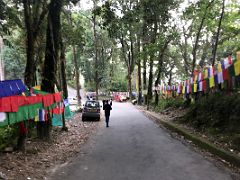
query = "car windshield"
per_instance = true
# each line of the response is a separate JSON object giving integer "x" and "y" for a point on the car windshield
{"x": 92, "y": 104}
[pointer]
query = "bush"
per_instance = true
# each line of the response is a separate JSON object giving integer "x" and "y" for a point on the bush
{"x": 217, "y": 111}
{"x": 167, "y": 103}
{"x": 8, "y": 137}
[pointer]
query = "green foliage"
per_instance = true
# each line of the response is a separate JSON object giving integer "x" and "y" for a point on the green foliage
{"x": 217, "y": 114}
{"x": 8, "y": 137}
{"x": 14, "y": 62}
{"x": 216, "y": 111}
{"x": 120, "y": 85}
{"x": 167, "y": 103}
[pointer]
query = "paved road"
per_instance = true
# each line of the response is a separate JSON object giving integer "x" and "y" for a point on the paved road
{"x": 134, "y": 148}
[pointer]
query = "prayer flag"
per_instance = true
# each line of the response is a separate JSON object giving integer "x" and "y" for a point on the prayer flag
{"x": 206, "y": 73}
{"x": 3, "y": 116}
{"x": 183, "y": 90}
{"x": 195, "y": 87}
{"x": 204, "y": 86}
{"x": 210, "y": 71}
{"x": 229, "y": 59}
{"x": 237, "y": 68}
{"x": 220, "y": 77}
{"x": 211, "y": 81}
{"x": 200, "y": 86}
{"x": 225, "y": 74}
{"x": 215, "y": 79}
{"x": 191, "y": 80}
{"x": 200, "y": 76}
{"x": 219, "y": 67}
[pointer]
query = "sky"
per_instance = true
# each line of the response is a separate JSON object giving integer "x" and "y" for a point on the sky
{"x": 86, "y": 4}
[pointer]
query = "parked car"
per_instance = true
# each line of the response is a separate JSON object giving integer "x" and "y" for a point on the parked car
{"x": 92, "y": 110}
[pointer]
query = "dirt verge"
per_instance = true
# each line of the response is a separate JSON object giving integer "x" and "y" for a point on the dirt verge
{"x": 41, "y": 156}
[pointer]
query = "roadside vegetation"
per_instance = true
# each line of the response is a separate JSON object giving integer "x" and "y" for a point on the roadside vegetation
{"x": 215, "y": 116}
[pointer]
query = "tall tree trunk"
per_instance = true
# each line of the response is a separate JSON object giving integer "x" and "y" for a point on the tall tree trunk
{"x": 63, "y": 72}
{"x": 30, "y": 66}
{"x": 159, "y": 70}
{"x": 150, "y": 83}
{"x": 144, "y": 57}
{"x": 150, "y": 80}
{"x": 51, "y": 55}
{"x": 131, "y": 63}
{"x": 76, "y": 74}
{"x": 63, "y": 80}
{"x": 139, "y": 72}
{"x": 96, "y": 51}
{"x": 194, "y": 52}
{"x": 218, "y": 33}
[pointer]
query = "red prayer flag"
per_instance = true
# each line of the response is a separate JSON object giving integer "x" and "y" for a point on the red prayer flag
{"x": 225, "y": 74}
{"x": 5, "y": 104}
{"x": 230, "y": 59}
{"x": 57, "y": 97}
{"x": 204, "y": 86}
{"x": 14, "y": 103}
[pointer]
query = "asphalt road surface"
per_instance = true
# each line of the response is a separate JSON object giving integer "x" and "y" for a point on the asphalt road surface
{"x": 134, "y": 148}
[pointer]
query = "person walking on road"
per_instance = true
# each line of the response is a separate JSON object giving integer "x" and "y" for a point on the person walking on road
{"x": 107, "y": 108}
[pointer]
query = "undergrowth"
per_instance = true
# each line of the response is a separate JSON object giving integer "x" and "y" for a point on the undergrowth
{"x": 217, "y": 114}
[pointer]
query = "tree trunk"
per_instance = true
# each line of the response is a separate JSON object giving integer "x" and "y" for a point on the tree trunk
{"x": 96, "y": 51}
{"x": 29, "y": 70}
{"x": 150, "y": 83}
{"x": 63, "y": 72}
{"x": 63, "y": 80}
{"x": 144, "y": 57}
{"x": 131, "y": 63}
{"x": 160, "y": 64}
{"x": 139, "y": 72}
{"x": 218, "y": 33}
{"x": 51, "y": 55}
{"x": 76, "y": 74}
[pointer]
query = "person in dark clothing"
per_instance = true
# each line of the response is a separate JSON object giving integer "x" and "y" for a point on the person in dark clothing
{"x": 107, "y": 108}
{"x": 110, "y": 102}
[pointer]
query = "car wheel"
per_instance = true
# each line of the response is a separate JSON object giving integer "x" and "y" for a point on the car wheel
{"x": 83, "y": 118}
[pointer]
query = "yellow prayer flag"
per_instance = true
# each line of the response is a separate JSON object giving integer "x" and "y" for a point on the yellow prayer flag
{"x": 37, "y": 87}
{"x": 211, "y": 82}
{"x": 238, "y": 55}
{"x": 206, "y": 73}
{"x": 195, "y": 87}
{"x": 195, "y": 78}
{"x": 237, "y": 68}
{"x": 183, "y": 89}
{"x": 219, "y": 67}
{"x": 36, "y": 119}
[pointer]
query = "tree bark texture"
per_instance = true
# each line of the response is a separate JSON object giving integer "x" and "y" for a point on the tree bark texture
{"x": 76, "y": 74}
{"x": 139, "y": 72}
{"x": 218, "y": 33}
{"x": 51, "y": 58}
{"x": 96, "y": 51}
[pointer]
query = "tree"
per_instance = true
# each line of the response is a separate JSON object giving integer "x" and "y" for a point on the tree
{"x": 34, "y": 15}
{"x": 51, "y": 55}
{"x": 218, "y": 33}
